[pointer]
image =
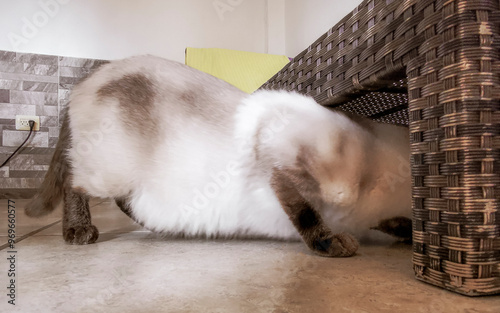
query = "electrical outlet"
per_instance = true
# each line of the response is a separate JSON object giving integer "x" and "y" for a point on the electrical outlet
{"x": 22, "y": 122}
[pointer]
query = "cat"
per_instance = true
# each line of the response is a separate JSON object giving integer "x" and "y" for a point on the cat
{"x": 182, "y": 152}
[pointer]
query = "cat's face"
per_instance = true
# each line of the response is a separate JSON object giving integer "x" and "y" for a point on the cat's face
{"x": 336, "y": 167}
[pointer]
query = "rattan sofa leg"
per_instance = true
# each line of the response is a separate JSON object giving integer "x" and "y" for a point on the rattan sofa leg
{"x": 454, "y": 110}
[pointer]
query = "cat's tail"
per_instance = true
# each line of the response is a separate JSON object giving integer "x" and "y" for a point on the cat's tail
{"x": 51, "y": 192}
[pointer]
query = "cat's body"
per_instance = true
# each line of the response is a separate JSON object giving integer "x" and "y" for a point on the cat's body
{"x": 183, "y": 152}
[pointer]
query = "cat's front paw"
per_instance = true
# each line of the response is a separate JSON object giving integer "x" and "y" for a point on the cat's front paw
{"x": 339, "y": 245}
{"x": 81, "y": 235}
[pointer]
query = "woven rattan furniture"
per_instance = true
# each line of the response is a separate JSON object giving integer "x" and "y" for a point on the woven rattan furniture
{"x": 433, "y": 65}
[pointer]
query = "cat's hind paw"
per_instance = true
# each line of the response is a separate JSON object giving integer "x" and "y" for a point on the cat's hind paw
{"x": 399, "y": 226}
{"x": 81, "y": 235}
{"x": 339, "y": 245}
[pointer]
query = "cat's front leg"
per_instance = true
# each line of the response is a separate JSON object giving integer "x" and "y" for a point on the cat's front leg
{"x": 77, "y": 226}
{"x": 318, "y": 237}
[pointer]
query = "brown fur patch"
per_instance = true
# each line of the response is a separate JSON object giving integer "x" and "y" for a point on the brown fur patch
{"x": 136, "y": 94}
{"x": 307, "y": 163}
{"x": 308, "y": 218}
{"x": 189, "y": 97}
{"x": 80, "y": 190}
{"x": 199, "y": 102}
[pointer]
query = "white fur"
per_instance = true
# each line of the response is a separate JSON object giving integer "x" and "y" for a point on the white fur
{"x": 199, "y": 182}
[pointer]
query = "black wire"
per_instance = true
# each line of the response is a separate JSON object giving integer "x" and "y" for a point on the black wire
{"x": 32, "y": 125}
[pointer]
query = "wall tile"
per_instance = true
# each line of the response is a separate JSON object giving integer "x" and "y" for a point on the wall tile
{"x": 26, "y": 162}
{"x": 26, "y": 174}
{"x": 11, "y": 84}
{"x": 42, "y": 128}
{"x": 79, "y": 72}
{"x": 13, "y": 138}
{"x": 9, "y": 127}
{"x": 11, "y": 110}
{"x": 4, "y": 171}
{"x": 53, "y": 142}
{"x": 42, "y": 159}
{"x": 6, "y": 151}
{"x": 42, "y": 168}
{"x": 33, "y": 84}
{"x": 36, "y": 150}
{"x": 7, "y": 56}
{"x": 27, "y": 97}
{"x": 50, "y": 111}
{"x": 22, "y": 162}
{"x": 9, "y": 67}
{"x": 37, "y": 86}
{"x": 51, "y": 99}
{"x": 68, "y": 82}
{"x": 13, "y": 193}
{"x": 49, "y": 122}
{"x": 17, "y": 183}
{"x": 40, "y": 69}
{"x": 64, "y": 94}
{"x": 7, "y": 122}
{"x": 29, "y": 77}
{"x": 26, "y": 150}
{"x": 35, "y": 58}
{"x": 4, "y": 95}
{"x": 77, "y": 62}
{"x": 54, "y": 132}
{"x": 39, "y": 110}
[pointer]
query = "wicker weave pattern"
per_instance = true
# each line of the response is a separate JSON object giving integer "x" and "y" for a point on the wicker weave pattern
{"x": 454, "y": 104}
{"x": 366, "y": 51}
{"x": 442, "y": 58}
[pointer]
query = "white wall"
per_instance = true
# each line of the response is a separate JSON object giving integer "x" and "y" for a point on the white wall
{"x": 307, "y": 20}
{"x": 276, "y": 27}
{"x": 109, "y": 29}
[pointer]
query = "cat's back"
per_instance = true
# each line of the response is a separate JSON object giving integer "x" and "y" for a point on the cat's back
{"x": 148, "y": 81}
{"x": 146, "y": 115}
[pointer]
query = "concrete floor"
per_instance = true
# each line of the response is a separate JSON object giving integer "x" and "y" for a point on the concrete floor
{"x": 132, "y": 270}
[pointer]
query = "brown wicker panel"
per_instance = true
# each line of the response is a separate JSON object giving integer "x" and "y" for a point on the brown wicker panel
{"x": 365, "y": 53}
{"x": 454, "y": 105}
{"x": 442, "y": 58}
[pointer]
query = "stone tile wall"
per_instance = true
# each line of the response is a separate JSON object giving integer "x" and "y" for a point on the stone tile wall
{"x": 33, "y": 84}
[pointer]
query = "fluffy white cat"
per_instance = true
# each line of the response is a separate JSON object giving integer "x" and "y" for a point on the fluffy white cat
{"x": 183, "y": 152}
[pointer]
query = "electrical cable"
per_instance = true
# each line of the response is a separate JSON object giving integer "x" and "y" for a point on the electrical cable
{"x": 32, "y": 125}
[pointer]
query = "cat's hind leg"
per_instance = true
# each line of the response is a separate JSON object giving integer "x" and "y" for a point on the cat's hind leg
{"x": 124, "y": 204}
{"x": 77, "y": 226}
{"x": 317, "y": 236}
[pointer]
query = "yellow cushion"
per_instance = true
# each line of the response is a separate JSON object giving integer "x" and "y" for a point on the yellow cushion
{"x": 245, "y": 70}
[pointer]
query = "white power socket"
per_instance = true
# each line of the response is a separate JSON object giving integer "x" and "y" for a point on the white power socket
{"x": 22, "y": 122}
